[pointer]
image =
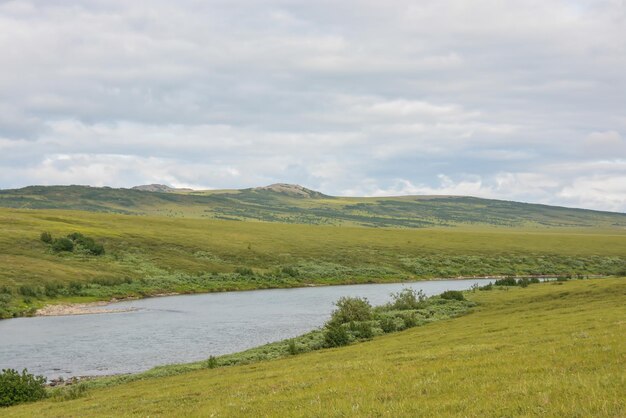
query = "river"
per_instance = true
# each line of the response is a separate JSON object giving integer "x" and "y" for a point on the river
{"x": 178, "y": 329}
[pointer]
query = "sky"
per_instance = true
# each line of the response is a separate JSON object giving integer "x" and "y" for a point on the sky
{"x": 516, "y": 100}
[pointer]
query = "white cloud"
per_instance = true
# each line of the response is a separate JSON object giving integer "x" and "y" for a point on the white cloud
{"x": 520, "y": 100}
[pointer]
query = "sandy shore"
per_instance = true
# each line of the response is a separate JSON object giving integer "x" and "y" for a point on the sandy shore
{"x": 80, "y": 309}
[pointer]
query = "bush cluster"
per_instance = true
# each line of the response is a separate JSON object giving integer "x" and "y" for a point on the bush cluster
{"x": 22, "y": 387}
{"x": 74, "y": 241}
{"x": 511, "y": 281}
{"x": 356, "y": 320}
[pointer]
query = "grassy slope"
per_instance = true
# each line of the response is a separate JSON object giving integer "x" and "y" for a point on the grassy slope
{"x": 160, "y": 254}
{"x": 271, "y": 206}
{"x": 546, "y": 350}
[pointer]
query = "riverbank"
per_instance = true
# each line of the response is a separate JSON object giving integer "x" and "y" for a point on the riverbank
{"x": 553, "y": 349}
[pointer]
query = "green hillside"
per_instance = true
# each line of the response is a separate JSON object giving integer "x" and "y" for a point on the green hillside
{"x": 148, "y": 255}
{"x": 555, "y": 349}
{"x": 294, "y": 204}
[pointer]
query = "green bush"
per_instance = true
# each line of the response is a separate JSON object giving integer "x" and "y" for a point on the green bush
{"x": 362, "y": 330}
{"x": 452, "y": 295}
{"x": 336, "y": 336}
{"x": 351, "y": 310}
{"x": 507, "y": 281}
{"x": 18, "y": 388}
{"x": 46, "y": 237}
{"x": 291, "y": 347}
{"x": 62, "y": 244}
{"x": 244, "y": 271}
{"x": 409, "y": 320}
{"x": 28, "y": 290}
{"x": 211, "y": 362}
{"x": 408, "y": 298}
{"x": 387, "y": 324}
{"x": 86, "y": 243}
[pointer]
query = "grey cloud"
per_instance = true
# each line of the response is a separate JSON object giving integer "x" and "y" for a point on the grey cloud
{"x": 353, "y": 96}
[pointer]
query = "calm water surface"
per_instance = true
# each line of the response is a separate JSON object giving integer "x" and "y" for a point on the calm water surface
{"x": 179, "y": 329}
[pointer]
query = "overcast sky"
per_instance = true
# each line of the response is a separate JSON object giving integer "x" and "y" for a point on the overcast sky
{"x": 519, "y": 100}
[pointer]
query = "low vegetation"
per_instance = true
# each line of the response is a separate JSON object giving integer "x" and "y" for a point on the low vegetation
{"x": 16, "y": 388}
{"x": 571, "y": 365}
{"x": 152, "y": 255}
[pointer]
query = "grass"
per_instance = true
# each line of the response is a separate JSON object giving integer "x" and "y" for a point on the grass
{"x": 147, "y": 255}
{"x": 554, "y": 349}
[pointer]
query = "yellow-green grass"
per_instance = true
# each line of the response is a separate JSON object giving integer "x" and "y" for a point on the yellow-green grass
{"x": 191, "y": 255}
{"x": 555, "y": 349}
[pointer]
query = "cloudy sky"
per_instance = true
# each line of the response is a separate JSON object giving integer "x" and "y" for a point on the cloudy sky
{"x": 520, "y": 100}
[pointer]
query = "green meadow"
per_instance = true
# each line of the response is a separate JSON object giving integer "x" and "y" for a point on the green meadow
{"x": 552, "y": 349}
{"x": 149, "y": 255}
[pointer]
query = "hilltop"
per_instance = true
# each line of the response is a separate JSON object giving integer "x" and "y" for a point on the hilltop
{"x": 287, "y": 203}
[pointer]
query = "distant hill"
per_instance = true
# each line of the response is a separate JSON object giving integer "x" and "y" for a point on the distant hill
{"x": 296, "y": 204}
{"x": 160, "y": 188}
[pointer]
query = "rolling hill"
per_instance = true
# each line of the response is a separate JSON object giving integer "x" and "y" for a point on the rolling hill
{"x": 295, "y": 204}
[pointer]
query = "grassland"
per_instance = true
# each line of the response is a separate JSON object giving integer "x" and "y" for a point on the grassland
{"x": 545, "y": 350}
{"x": 293, "y": 204}
{"x": 147, "y": 255}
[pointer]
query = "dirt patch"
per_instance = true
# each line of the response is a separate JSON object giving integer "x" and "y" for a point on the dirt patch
{"x": 80, "y": 309}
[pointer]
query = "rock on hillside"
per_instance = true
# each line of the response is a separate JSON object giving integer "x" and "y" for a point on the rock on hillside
{"x": 162, "y": 188}
{"x": 294, "y": 190}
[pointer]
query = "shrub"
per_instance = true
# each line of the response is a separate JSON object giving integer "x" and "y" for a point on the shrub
{"x": 336, "y": 336}
{"x": 452, "y": 295}
{"x": 28, "y": 290}
{"x": 290, "y": 271}
{"x": 211, "y": 362}
{"x": 508, "y": 281}
{"x": 488, "y": 286}
{"x": 351, "y": 310}
{"x": 52, "y": 289}
{"x": 86, "y": 243}
{"x": 291, "y": 347}
{"x": 408, "y": 298}
{"x": 387, "y": 324}
{"x": 363, "y": 330}
{"x": 62, "y": 244}
{"x": 244, "y": 271}
{"x": 17, "y": 388}
{"x": 46, "y": 237}
{"x": 409, "y": 321}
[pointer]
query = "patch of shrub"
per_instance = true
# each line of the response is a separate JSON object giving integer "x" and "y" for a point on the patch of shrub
{"x": 244, "y": 271}
{"x": 407, "y": 298}
{"x": 211, "y": 362}
{"x": 292, "y": 348}
{"x": 507, "y": 281}
{"x": 62, "y": 244}
{"x": 351, "y": 310}
{"x": 452, "y": 295}
{"x": 46, "y": 237}
{"x": 52, "y": 289}
{"x": 16, "y": 388}
{"x": 28, "y": 291}
{"x": 74, "y": 288}
{"x": 86, "y": 243}
{"x": 488, "y": 286}
{"x": 336, "y": 336}
{"x": 362, "y": 330}
{"x": 290, "y": 271}
{"x": 387, "y": 324}
{"x": 409, "y": 320}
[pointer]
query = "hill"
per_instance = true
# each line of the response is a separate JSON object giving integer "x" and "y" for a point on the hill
{"x": 148, "y": 255}
{"x": 495, "y": 361}
{"x": 296, "y": 204}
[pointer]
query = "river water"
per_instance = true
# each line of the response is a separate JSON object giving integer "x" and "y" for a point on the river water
{"x": 178, "y": 329}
